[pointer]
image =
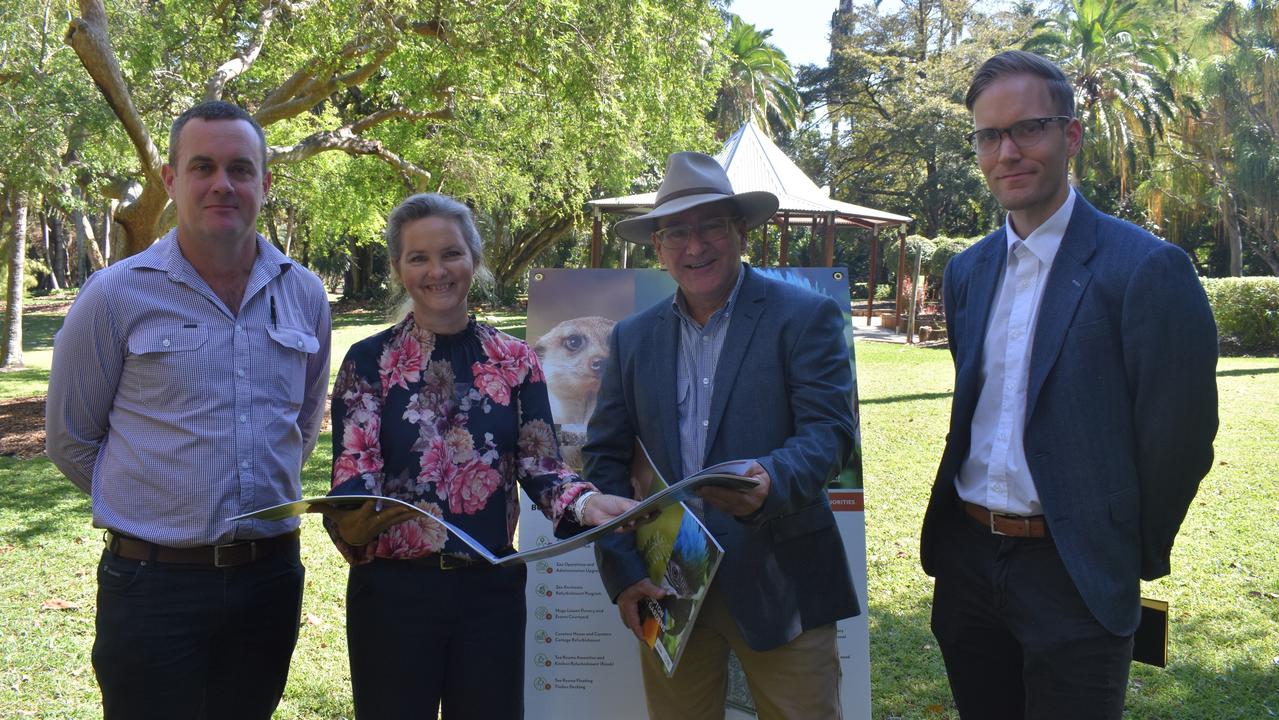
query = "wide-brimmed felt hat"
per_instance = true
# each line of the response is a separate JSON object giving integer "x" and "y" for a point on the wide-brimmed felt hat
{"x": 694, "y": 179}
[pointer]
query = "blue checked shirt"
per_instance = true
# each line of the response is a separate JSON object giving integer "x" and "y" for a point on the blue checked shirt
{"x": 175, "y": 414}
{"x": 699, "y": 349}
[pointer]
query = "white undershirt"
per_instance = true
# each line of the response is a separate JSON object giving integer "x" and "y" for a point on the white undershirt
{"x": 995, "y": 474}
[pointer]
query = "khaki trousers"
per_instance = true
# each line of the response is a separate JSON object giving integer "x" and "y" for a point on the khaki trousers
{"x": 797, "y": 681}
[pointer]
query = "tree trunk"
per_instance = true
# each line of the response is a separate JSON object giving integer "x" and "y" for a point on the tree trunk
{"x": 290, "y": 226}
{"x": 88, "y": 254}
{"x": 1229, "y": 210}
{"x": 11, "y": 348}
{"x": 273, "y": 232}
{"x": 118, "y": 238}
{"x": 87, "y": 35}
{"x": 50, "y": 245}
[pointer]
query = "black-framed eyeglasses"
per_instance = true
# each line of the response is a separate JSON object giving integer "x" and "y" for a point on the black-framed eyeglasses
{"x": 1025, "y": 133}
{"x": 675, "y": 237}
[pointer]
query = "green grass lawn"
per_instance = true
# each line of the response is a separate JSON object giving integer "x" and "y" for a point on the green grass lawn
{"x": 1224, "y": 589}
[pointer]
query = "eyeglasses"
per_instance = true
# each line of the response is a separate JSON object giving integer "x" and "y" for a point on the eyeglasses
{"x": 1025, "y": 133}
{"x": 676, "y": 237}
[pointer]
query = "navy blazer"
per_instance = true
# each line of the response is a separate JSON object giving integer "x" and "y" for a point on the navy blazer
{"x": 782, "y": 395}
{"x": 1121, "y": 408}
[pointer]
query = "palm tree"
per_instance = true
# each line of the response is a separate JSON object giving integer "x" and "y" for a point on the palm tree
{"x": 760, "y": 83}
{"x": 1244, "y": 81}
{"x": 1122, "y": 72}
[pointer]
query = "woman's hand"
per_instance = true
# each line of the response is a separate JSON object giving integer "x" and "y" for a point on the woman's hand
{"x": 601, "y": 508}
{"x": 360, "y": 525}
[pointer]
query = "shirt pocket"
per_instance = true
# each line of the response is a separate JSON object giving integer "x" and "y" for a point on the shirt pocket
{"x": 169, "y": 363}
{"x": 291, "y": 350}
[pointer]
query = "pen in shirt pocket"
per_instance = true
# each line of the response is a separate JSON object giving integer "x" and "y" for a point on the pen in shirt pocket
{"x": 274, "y": 324}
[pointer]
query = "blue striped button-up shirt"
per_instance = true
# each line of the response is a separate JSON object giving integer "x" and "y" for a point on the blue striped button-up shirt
{"x": 699, "y": 349}
{"x": 176, "y": 414}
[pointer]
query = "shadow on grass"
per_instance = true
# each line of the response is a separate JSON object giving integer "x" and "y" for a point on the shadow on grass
{"x": 42, "y": 502}
{"x": 903, "y": 398}
{"x": 22, "y": 383}
{"x": 1239, "y": 685}
{"x": 907, "y": 677}
{"x": 1247, "y": 371}
{"x": 38, "y": 330}
{"x": 373, "y": 318}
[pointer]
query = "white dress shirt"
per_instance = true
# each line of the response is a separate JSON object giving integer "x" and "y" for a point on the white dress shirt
{"x": 995, "y": 474}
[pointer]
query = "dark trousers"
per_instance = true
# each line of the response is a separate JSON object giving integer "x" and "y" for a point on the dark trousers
{"x": 420, "y": 638}
{"x": 182, "y": 641}
{"x": 1016, "y": 637}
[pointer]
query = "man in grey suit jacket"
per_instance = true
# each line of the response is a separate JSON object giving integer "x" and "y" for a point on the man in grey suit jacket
{"x": 733, "y": 366}
{"x": 1082, "y": 422}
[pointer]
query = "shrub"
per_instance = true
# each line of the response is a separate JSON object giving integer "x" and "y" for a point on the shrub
{"x": 1247, "y": 313}
{"x": 946, "y": 248}
{"x": 883, "y": 291}
{"x": 915, "y": 244}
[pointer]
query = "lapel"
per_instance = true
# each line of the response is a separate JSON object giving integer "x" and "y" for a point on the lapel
{"x": 1067, "y": 279}
{"x": 663, "y": 380}
{"x": 746, "y": 313}
{"x": 984, "y": 280}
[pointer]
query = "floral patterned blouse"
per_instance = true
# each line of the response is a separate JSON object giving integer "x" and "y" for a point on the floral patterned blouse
{"x": 448, "y": 423}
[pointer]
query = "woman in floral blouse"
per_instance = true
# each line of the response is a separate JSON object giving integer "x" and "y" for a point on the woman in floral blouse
{"x": 445, "y": 413}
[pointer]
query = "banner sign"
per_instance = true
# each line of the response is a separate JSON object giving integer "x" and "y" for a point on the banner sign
{"x": 581, "y": 661}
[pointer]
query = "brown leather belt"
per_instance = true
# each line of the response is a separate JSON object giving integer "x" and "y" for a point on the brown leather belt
{"x": 227, "y": 555}
{"x": 1023, "y": 526}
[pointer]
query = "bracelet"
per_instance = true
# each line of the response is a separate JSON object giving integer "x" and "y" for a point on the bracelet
{"x": 579, "y": 505}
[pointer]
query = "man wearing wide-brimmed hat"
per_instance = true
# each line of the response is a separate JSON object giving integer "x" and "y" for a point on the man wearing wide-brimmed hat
{"x": 733, "y": 366}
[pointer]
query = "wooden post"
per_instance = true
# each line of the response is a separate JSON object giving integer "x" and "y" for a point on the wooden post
{"x": 829, "y": 255}
{"x": 901, "y": 275}
{"x": 783, "y": 253}
{"x": 874, "y": 267}
{"x": 812, "y": 240}
{"x": 597, "y": 240}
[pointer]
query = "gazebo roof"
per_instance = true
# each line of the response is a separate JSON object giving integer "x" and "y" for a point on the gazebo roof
{"x": 754, "y": 162}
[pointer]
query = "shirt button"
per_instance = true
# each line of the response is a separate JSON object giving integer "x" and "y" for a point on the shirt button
{"x": 706, "y": 381}
{"x": 300, "y": 345}
{"x": 240, "y": 372}
{"x": 239, "y": 328}
{"x": 166, "y": 342}
{"x": 706, "y": 423}
{"x": 244, "y": 464}
{"x": 244, "y": 418}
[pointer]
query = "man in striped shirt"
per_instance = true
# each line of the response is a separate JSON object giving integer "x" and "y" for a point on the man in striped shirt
{"x": 187, "y": 387}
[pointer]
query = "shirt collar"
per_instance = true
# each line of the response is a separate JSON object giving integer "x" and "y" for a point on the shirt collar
{"x": 1044, "y": 241}
{"x": 677, "y": 303}
{"x": 164, "y": 254}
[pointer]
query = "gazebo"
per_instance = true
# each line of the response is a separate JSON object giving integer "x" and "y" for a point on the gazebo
{"x": 754, "y": 162}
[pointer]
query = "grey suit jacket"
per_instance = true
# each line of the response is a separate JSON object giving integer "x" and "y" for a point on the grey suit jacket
{"x": 781, "y": 396}
{"x": 1121, "y": 407}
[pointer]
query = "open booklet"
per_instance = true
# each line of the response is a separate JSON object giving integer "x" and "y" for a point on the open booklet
{"x": 728, "y": 475}
{"x": 681, "y": 557}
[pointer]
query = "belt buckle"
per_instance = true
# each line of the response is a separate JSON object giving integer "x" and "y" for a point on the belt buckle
{"x": 449, "y": 562}
{"x": 1025, "y": 523}
{"x": 217, "y": 554}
